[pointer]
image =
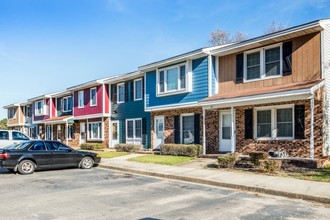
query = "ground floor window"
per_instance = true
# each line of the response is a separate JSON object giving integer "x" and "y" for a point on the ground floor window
{"x": 274, "y": 122}
{"x": 134, "y": 131}
{"x": 95, "y": 130}
{"x": 187, "y": 129}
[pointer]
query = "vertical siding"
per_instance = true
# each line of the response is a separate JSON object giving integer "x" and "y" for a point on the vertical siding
{"x": 199, "y": 86}
{"x": 106, "y": 98}
{"x": 326, "y": 76}
{"x": 305, "y": 66}
{"x": 89, "y": 110}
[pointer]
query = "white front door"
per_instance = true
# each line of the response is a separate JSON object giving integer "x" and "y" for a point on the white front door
{"x": 159, "y": 131}
{"x": 82, "y": 132}
{"x": 114, "y": 133}
{"x": 49, "y": 132}
{"x": 225, "y": 131}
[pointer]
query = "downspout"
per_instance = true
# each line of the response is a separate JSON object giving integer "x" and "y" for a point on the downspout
{"x": 204, "y": 135}
{"x": 312, "y": 128}
{"x": 232, "y": 129}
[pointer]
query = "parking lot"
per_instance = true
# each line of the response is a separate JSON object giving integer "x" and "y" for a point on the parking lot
{"x": 104, "y": 194}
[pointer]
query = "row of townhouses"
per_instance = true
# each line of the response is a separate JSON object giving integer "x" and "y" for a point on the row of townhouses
{"x": 269, "y": 92}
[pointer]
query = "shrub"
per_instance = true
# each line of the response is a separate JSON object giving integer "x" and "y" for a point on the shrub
{"x": 226, "y": 161}
{"x": 270, "y": 166}
{"x": 199, "y": 149}
{"x": 256, "y": 156}
{"x": 190, "y": 150}
{"x": 92, "y": 146}
{"x": 128, "y": 147}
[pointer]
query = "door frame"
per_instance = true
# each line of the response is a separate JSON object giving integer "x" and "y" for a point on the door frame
{"x": 232, "y": 121}
{"x": 154, "y": 140}
{"x": 111, "y": 145}
{"x": 84, "y": 123}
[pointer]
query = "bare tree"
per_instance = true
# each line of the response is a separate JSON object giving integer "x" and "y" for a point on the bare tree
{"x": 274, "y": 27}
{"x": 220, "y": 37}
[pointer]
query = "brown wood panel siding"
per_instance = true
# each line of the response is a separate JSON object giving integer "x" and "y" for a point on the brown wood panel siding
{"x": 305, "y": 66}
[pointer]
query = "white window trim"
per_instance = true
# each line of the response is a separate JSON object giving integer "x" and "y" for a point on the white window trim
{"x": 262, "y": 63}
{"x": 273, "y": 122}
{"x": 88, "y": 131}
{"x": 62, "y": 103}
{"x": 134, "y": 87}
{"x": 134, "y": 129}
{"x": 118, "y": 85}
{"x": 90, "y": 97}
{"x": 181, "y": 125}
{"x": 36, "y": 111}
{"x": 179, "y": 90}
{"x": 83, "y": 98}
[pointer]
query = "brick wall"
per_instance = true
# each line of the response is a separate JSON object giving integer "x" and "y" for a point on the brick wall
{"x": 169, "y": 122}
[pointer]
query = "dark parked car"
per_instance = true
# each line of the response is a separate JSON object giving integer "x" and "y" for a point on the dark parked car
{"x": 27, "y": 156}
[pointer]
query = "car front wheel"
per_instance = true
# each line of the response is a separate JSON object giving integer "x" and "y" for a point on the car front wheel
{"x": 26, "y": 167}
{"x": 86, "y": 163}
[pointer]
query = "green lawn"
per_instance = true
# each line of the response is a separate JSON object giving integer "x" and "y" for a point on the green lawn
{"x": 321, "y": 175}
{"x": 162, "y": 159}
{"x": 111, "y": 154}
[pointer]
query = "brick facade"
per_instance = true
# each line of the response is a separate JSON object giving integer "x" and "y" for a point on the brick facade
{"x": 295, "y": 148}
{"x": 169, "y": 123}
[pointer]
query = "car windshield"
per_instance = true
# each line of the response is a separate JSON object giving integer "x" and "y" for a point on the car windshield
{"x": 18, "y": 146}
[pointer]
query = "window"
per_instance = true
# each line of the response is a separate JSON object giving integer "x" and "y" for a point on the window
{"x": 95, "y": 131}
{"x": 70, "y": 132}
{"x": 134, "y": 131}
{"x": 66, "y": 104}
{"x": 38, "y": 146}
{"x": 121, "y": 93}
{"x": 114, "y": 131}
{"x": 39, "y": 108}
{"x": 27, "y": 111}
{"x": 60, "y": 146}
{"x": 93, "y": 97}
{"x": 172, "y": 79}
{"x": 263, "y": 63}
{"x": 274, "y": 123}
{"x": 138, "y": 89}
{"x": 81, "y": 99}
{"x": 11, "y": 113}
{"x": 4, "y": 135}
{"x": 19, "y": 136}
{"x": 187, "y": 129}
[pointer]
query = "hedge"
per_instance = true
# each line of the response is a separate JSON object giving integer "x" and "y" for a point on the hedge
{"x": 128, "y": 147}
{"x": 190, "y": 150}
{"x": 92, "y": 146}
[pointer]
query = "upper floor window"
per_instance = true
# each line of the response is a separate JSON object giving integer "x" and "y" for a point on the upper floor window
{"x": 121, "y": 93}
{"x": 11, "y": 113}
{"x": 263, "y": 63}
{"x": 39, "y": 108}
{"x": 27, "y": 111}
{"x": 81, "y": 99}
{"x": 66, "y": 104}
{"x": 93, "y": 97}
{"x": 172, "y": 79}
{"x": 138, "y": 89}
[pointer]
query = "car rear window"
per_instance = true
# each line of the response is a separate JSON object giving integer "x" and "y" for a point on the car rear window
{"x": 4, "y": 135}
{"x": 19, "y": 146}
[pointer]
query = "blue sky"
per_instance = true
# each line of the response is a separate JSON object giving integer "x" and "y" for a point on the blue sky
{"x": 50, "y": 45}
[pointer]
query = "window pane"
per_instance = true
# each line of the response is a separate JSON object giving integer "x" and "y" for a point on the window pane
{"x": 182, "y": 77}
{"x": 253, "y": 65}
{"x": 226, "y": 126}
{"x": 138, "y": 128}
{"x": 188, "y": 129}
{"x": 284, "y": 122}
{"x": 65, "y": 103}
{"x": 70, "y": 104}
{"x": 272, "y": 61}
{"x": 114, "y": 131}
{"x": 264, "y": 123}
{"x": 161, "y": 81}
{"x": 93, "y": 97}
{"x": 4, "y": 135}
{"x": 129, "y": 129}
{"x": 138, "y": 89}
{"x": 121, "y": 93}
{"x": 172, "y": 79}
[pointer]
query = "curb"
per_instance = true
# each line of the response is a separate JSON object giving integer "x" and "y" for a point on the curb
{"x": 222, "y": 184}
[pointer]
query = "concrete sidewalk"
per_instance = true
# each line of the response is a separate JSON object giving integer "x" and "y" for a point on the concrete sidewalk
{"x": 279, "y": 186}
